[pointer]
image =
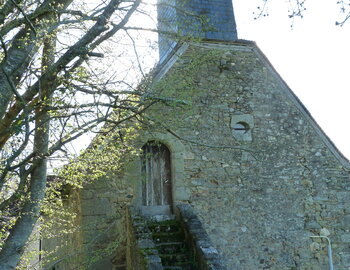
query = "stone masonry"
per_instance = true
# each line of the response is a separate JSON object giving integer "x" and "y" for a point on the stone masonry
{"x": 262, "y": 198}
{"x": 247, "y": 156}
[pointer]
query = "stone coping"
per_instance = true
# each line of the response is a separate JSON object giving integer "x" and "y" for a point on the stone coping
{"x": 205, "y": 253}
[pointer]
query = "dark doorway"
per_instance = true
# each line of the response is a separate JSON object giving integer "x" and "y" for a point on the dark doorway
{"x": 156, "y": 174}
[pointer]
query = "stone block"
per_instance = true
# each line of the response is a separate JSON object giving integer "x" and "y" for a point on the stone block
{"x": 145, "y": 243}
{"x": 204, "y": 243}
{"x": 346, "y": 220}
{"x": 183, "y": 194}
{"x": 99, "y": 206}
{"x": 345, "y": 259}
{"x": 345, "y": 238}
{"x": 343, "y": 196}
{"x": 188, "y": 155}
{"x": 216, "y": 264}
{"x": 102, "y": 264}
{"x": 312, "y": 225}
{"x": 154, "y": 262}
{"x": 153, "y": 210}
{"x": 209, "y": 252}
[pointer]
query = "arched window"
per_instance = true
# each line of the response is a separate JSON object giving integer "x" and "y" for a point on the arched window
{"x": 156, "y": 174}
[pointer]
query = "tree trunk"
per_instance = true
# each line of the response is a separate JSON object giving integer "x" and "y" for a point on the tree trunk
{"x": 15, "y": 244}
{"x": 16, "y": 61}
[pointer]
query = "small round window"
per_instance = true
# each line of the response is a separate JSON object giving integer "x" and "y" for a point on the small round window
{"x": 241, "y": 128}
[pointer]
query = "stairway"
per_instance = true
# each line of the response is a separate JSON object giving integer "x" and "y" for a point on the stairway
{"x": 169, "y": 242}
{"x": 169, "y": 239}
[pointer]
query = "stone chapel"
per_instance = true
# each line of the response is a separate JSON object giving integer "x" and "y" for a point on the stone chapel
{"x": 246, "y": 180}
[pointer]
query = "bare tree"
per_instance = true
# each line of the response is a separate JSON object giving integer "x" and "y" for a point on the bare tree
{"x": 54, "y": 88}
{"x": 297, "y": 8}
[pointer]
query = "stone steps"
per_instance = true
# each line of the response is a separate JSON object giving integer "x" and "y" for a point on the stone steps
{"x": 160, "y": 242}
{"x": 171, "y": 247}
{"x": 178, "y": 268}
{"x": 183, "y": 267}
{"x": 169, "y": 239}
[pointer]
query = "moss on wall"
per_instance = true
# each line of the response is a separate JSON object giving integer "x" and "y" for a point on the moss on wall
{"x": 261, "y": 199}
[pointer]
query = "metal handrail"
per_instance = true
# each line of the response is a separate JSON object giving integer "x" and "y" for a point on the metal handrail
{"x": 330, "y": 260}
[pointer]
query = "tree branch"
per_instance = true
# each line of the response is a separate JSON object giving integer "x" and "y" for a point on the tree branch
{"x": 25, "y": 17}
{"x": 78, "y": 49}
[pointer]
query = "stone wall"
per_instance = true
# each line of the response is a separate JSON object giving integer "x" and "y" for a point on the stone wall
{"x": 62, "y": 241}
{"x": 246, "y": 155}
{"x": 262, "y": 198}
{"x": 99, "y": 238}
{"x": 103, "y": 222}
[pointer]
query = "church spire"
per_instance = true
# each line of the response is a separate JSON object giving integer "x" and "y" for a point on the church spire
{"x": 207, "y": 19}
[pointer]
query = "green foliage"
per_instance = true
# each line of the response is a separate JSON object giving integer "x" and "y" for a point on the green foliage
{"x": 108, "y": 153}
{"x": 52, "y": 86}
{"x": 79, "y": 95}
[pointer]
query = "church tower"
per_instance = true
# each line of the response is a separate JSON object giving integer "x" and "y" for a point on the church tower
{"x": 191, "y": 19}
